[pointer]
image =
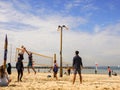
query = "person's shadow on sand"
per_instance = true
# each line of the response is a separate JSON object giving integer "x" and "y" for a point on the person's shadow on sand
{"x": 12, "y": 85}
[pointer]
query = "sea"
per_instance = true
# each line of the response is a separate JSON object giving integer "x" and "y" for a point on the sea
{"x": 87, "y": 70}
{"x": 101, "y": 70}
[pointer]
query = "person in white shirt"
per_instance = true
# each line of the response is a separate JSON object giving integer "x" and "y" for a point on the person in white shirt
{"x": 4, "y": 79}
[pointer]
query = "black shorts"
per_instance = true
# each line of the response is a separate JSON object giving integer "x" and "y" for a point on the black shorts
{"x": 77, "y": 70}
{"x": 19, "y": 70}
{"x": 30, "y": 64}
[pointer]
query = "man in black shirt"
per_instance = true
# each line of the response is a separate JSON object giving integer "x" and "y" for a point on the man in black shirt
{"x": 77, "y": 65}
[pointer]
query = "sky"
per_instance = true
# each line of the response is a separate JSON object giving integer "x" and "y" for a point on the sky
{"x": 94, "y": 29}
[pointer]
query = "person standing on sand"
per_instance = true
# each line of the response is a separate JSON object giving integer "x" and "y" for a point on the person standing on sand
{"x": 9, "y": 68}
{"x": 21, "y": 54}
{"x": 109, "y": 71}
{"x": 20, "y": 68}
{"x": 77, "y": 66}
{"x": 19, "y": 63}
{"x": 55, "y": 69}
{"x": 69, "y": 70}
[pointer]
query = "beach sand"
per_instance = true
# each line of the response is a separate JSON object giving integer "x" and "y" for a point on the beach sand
{"x": 40, "y": 81}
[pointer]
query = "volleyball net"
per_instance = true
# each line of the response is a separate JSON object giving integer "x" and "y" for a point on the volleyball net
{"x": 39, "y": 60}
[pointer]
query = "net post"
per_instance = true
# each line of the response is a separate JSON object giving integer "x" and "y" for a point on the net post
{"x": 54, "y": 57}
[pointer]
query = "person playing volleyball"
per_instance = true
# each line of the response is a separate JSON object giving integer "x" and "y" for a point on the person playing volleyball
{"x": 22, "y": 51}
{"x": 30, "y": 63}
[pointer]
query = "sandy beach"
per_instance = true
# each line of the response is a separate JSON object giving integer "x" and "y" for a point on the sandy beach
{"x": 40, "y": 81}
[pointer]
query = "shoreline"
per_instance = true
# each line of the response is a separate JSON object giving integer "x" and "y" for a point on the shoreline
{"x": 84, "y": 71}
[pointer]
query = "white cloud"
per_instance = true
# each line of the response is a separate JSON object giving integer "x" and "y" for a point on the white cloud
{"x": 89, "y": 7}
{"x": 97, "y": 28}
{"x": 11, "y": 15}
{"x": 22, "y": 5}
{"x": 98, "y": 47}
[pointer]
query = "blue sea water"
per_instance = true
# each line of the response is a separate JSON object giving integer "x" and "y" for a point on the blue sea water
{"x": 101, "y": 70}
{"x": 91, "y": 70}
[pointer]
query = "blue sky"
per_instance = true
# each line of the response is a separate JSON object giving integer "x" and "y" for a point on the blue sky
{"x": 94, "y": 28}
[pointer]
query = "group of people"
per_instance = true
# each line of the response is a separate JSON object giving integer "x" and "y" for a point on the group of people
{"x": 19, "y": 64}
{"x": 4, "y": 79}
{"x": 77, "y": 67}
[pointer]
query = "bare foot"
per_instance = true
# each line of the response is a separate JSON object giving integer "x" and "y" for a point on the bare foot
{"x": 35, "y": 72}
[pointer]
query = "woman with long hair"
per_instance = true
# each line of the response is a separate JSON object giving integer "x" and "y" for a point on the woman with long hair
{"x": 4, "y": 79}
